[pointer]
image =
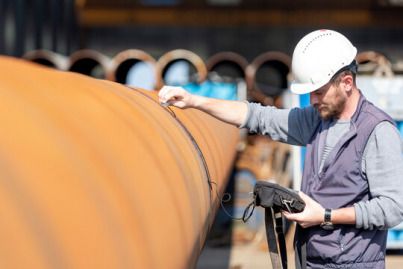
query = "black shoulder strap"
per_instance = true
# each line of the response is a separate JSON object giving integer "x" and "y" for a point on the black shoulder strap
{"x": 280, "y": 236}
{"x": 273, "y": 198}
{"x": 300, "y": 248}
{"x": 279, "y": 261}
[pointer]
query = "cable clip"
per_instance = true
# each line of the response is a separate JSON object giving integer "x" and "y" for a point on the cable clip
{"x": 287, "y": 204}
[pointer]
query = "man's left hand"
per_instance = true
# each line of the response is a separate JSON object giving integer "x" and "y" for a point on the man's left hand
{"x": 312, "y": 215}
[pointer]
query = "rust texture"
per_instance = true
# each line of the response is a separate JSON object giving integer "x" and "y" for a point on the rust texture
{"x": 99, "y": 175}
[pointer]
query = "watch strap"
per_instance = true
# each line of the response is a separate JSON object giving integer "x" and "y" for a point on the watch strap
{"x": 328, "y": 216}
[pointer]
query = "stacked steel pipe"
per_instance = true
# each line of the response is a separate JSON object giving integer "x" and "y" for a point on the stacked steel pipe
{"x": 95, "y": 174}
{"x": 48, "y": 58}
{"x": 266, "y": 76}
{"x": 166, "y": 60}
{"x": 116, "y": 69}
{"x": 227, "y": 63}
{"x": 374, "y": 63}
{"x": 89, "y": 62}
{"x": 274, "y": 67}
{"x": 121, "y": 65}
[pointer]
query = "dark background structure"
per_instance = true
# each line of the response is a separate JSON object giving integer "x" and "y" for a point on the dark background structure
{"x": 206, "y": 27}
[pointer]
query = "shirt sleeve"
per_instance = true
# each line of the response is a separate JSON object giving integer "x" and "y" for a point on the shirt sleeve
{"x": 383, "y": 166}
{"x": 292, "y": 126}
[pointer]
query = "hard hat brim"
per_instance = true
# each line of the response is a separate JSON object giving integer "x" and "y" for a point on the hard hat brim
{"x": 303, "y": 88}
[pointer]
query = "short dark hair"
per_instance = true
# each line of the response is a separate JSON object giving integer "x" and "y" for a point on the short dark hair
{"x": 349, "y": 70}
{"x": 335, "y": 80}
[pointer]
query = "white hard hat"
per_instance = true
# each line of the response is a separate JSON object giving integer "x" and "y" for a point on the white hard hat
{"x": 317, "y": 57}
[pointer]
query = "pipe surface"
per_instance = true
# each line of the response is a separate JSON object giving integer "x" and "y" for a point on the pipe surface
{"x": 95, "y": 174}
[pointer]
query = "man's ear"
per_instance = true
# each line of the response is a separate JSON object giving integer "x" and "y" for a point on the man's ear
{"x": 348, "y": 82}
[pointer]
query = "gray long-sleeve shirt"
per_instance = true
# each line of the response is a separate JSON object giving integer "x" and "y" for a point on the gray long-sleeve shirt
{"x": 382, "y": 162}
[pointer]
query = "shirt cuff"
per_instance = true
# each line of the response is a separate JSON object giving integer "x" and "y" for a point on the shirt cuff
{"x": 248, "y": 116}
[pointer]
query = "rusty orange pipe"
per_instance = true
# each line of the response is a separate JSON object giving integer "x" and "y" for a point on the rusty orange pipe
{"x": 98, "y": 175}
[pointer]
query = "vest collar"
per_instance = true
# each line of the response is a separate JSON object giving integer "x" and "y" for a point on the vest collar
{"x": 360, "y": 105}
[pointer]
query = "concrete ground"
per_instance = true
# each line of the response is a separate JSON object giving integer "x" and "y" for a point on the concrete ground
{"x": 234, "y": 251}
{"x": 250, "y": 257}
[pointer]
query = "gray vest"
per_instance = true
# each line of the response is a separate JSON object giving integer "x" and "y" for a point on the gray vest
{"x": 341, "y": 183}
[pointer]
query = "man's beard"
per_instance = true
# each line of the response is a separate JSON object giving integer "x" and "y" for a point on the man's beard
{"x": 329, "y": 111}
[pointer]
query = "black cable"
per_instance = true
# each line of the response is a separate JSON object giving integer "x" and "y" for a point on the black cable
{"x": 246, "y": 214}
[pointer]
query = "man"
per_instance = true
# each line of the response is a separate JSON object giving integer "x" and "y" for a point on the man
{"x": 352, "y": 182}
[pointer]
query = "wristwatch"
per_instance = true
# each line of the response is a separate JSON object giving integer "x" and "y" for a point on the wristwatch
{"x": 327, "y": 222}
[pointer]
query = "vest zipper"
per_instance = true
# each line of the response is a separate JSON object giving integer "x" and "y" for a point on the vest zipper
{"x": 342, "y": 245}
{"x": 315, "y": 177}
{"x": 341, "y": 238}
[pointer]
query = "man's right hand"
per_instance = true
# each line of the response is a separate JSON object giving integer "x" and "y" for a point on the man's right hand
{"x": 176, "y": 96}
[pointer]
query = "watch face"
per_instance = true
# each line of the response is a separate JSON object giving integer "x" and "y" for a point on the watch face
{"x": 327, "y": 227}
